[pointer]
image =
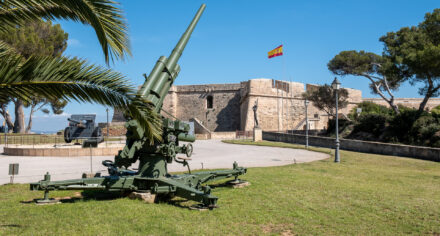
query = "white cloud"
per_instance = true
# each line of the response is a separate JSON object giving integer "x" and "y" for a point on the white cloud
{"x": 73, "y": 42}
{"x": 51, "y": 115}
{"x": 64, "y": 114}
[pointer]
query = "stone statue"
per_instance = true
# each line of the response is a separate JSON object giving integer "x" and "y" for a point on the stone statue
{"x": 255, "y": 108}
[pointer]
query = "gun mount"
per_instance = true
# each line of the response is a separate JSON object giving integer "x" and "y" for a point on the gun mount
{"x": 82, "y": 126}
{"x": 152, "y": 174}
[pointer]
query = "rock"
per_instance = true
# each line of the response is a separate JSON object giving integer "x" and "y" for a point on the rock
{"x": 147, "y": 197}
{"x": 241, "y": 184}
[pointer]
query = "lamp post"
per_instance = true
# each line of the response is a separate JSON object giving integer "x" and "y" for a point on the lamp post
{"x": 336, "y": 85}
{"x": 6, "y": 130}
{"x": 107, "y": 127}
{"x": 306, "y": 103}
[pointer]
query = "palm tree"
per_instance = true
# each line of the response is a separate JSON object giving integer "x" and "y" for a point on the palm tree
{"x": 104, "y": 16}
{"x": 72, "y": 78}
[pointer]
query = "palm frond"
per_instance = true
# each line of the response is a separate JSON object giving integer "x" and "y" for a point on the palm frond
{"x": 74, "y": 79}
{"x": 104, "y": 16}
{"x": 6, "y": 50}
{"x": 142, "y": 110}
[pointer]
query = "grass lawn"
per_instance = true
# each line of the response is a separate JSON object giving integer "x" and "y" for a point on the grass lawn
{"x": 364, "y": 194}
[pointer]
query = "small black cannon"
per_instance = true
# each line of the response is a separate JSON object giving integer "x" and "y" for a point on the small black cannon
{"x": 82, "y": 126}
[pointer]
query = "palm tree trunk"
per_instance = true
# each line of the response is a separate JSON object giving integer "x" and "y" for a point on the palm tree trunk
{"x": 19, "y": 125}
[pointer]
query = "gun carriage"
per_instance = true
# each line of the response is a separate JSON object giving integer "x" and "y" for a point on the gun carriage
{"x": 82, "y": 126}
{"x": 152, "y": 174}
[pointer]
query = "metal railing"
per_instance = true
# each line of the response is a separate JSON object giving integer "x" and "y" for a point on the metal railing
{"x": 56, "y": 140}
{"x": 312, "y": 132}
{"x": 240, "y": 134}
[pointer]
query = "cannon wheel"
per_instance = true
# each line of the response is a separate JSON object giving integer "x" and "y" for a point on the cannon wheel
{"x": 67, "y": 135}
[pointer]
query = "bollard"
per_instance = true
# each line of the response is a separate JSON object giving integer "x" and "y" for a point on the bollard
{"x": 13, "y": 170}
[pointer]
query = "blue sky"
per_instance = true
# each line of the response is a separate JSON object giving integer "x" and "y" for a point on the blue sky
{"x": 231, "y": 41}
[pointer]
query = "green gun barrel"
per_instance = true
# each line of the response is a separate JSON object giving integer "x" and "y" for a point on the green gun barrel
{"x": 165, "y": 71}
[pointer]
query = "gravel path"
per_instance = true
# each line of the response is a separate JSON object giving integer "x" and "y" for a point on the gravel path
{"x": 212, "y": 153}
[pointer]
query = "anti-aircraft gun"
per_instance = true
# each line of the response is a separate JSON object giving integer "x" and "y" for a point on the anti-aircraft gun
{"x": 152, "y": 175}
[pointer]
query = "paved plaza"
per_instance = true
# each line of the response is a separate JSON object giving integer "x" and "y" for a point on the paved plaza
{"x": 211, "y": 154}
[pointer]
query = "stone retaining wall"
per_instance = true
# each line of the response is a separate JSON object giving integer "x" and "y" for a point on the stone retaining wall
{"x": 61, "y": 152}
{"x": 424, "y": 153}
{"x": 223, "y": 135}
{"x": 217, "y": 135}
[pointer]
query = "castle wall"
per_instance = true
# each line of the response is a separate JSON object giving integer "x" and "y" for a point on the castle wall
{"x": 170, "y": 103}
{"x": 408, "y": 102}
{"x": 280, "y": 105}
{"x": 192, "y": 102}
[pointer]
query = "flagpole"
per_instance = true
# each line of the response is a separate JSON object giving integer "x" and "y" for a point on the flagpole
{"x": 282, "y": 98}
{"x": 274, "y": 53}
{"x": 278, "y": 105}
{"x": 282, "y": 106}
{"x": 289, "y": 104}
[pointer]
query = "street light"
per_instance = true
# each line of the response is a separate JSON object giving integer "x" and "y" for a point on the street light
{"x": 107, "y": 127}
{"x": 336, "y": 85}
{"x": 306, "y": 103}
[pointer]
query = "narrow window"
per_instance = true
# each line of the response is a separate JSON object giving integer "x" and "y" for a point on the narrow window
{"x": 209, "y": 102}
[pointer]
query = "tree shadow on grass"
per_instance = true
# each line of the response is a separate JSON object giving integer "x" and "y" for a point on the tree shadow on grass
{"x": 228, "y": 184}
{"x": 10, "y": 226}
{"x": 187, "y": 204}
{"x": 86, "y": 195}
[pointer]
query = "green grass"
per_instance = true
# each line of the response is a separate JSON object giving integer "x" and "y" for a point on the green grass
{"x": 363, "y": 195}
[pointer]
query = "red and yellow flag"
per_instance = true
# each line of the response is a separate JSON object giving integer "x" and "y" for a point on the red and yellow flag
{"x": 276, "y": 52}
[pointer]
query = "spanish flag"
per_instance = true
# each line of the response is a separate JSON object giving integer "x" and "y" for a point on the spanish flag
{"x": 276, "y": 52}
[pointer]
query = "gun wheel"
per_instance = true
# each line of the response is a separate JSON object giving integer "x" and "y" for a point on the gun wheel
{"x": 67, "y": 135}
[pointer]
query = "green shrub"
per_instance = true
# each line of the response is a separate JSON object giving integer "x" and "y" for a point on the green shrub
{"x": 379, "y": 123}
{"x": 343, "y": 124}
{"x": 436, "y": 110}
{"x": 369, "y": 108}
{"x": 373, "y": 123}
{"x": 425, "y": 131}
{"x": 400, "y": 125}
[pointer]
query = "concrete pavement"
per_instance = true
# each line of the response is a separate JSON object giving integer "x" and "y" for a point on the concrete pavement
{"x": 213, "y": 154}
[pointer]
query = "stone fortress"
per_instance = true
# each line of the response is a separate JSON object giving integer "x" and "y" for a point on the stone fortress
{"x": 228, "y": 107}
